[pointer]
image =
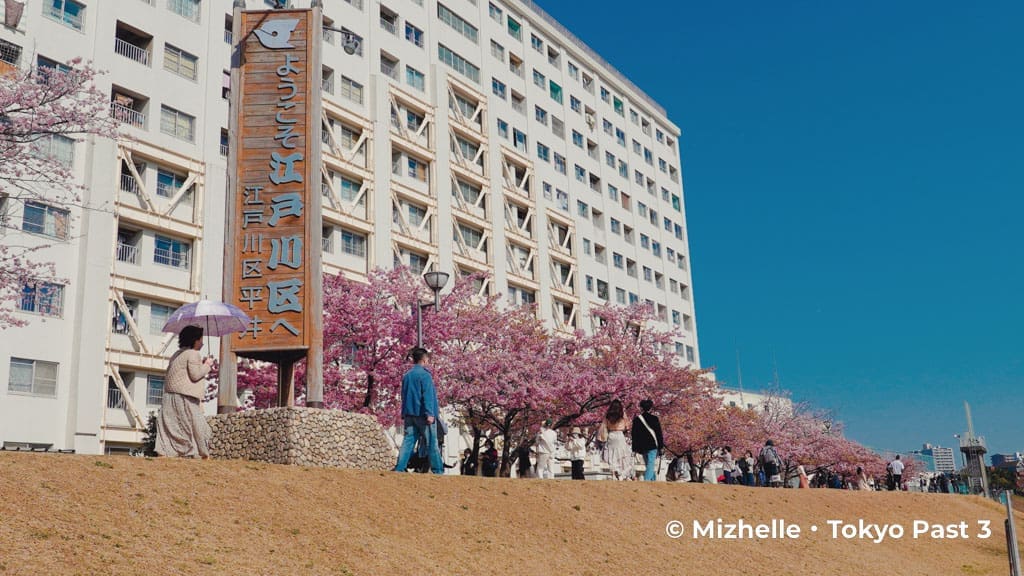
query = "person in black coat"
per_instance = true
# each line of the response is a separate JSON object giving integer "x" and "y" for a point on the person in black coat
{"x": 647, "y": 439}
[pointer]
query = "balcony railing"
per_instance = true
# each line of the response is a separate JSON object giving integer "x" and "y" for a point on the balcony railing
{"x": 328, "y": 243}
{"x": 228, "y": 37}
{"x": 224, "y": 150}
{"x": 127, "y": 253}
{"x": 171, "y": 258}
{"x": 126, "y": 115}
{"x": 132, "y": 52}
{"x": 128, "y": 184}
{"x": 115, "y": 400}
{"x": 388, "y": 26}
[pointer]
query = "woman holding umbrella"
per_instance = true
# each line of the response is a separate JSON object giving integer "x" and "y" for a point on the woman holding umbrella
{"x": 182, "y": 430}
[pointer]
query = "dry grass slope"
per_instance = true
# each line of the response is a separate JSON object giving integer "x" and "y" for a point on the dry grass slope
{"x": 99, "y": 515}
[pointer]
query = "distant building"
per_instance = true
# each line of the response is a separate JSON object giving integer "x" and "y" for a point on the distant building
{"x": 1007, "y": 460}
{"x": 753, "y": 400}
{"x": 941, "y": 459}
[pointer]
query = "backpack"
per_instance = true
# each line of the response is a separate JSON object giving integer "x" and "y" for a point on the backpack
{"x": 769, "y": 455}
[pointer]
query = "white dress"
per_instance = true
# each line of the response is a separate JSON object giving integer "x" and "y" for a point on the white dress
{"x": 619, "y": 456}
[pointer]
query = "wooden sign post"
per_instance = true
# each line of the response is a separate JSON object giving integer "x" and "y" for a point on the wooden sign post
{"x": 272, "y": 248}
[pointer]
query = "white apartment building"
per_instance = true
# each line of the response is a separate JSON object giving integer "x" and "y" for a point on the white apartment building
{"x": 461, "y": 135}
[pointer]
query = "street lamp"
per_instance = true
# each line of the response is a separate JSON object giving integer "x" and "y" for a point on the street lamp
{"x": 435, "y": 281}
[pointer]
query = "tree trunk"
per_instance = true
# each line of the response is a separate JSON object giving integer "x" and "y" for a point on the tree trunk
{"x": 475, "y": 454}
{"x": 368, "y": 400}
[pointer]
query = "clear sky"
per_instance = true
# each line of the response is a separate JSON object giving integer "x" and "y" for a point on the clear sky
{"x": 853, "y": 179}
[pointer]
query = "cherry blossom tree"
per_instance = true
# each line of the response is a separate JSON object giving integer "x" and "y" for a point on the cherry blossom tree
{"x": 701, "y": 429}
{"x": 40, "y": 110}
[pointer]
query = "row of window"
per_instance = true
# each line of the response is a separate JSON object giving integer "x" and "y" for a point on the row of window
{"x": 71, "y": 13}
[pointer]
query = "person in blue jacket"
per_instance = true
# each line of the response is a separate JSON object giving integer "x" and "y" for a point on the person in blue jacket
{"x": 419, "y": 412}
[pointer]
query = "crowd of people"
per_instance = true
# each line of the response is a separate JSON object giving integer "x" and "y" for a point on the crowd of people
{"x": 620, "y": 445}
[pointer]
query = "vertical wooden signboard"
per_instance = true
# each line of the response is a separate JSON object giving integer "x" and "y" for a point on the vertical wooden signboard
{"x": 272, "y": 249}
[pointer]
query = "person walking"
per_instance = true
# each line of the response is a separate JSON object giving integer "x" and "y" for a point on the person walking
{"x": 181, "y": 429}
{"x": 897, "y": 472}
{"x": 770, "y": 463}
{"x": 617, "y": 452}
{"x": 728, "y": 465}
{"x": 577, "y": 448}
{"x": 469, "y": 465}
{"x": 489, "y": 460}
{"x": 419, "y": 413}
{"x": 647, "y": 438}
{"x": 746, "y": 466}
{"x": 547, "y": 441}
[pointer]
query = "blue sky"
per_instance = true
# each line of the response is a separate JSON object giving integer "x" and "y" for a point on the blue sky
{"x": 854, "y": 197}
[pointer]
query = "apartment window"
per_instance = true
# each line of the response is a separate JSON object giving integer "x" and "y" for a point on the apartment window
{"x": 562, "y": 198}
{"x": 616, "y": 226}
{"x": 178, "y": 124}
{"x": 634, "y": 117}
{"x": 555, "y": 91}
{"x": 538, "y": 78}
{"x": 617, "y": 260}
{"x": 515, "y": 29}
{"x": 543, "y": 152}
{"x": 33, "y": 377}
{"x": 158, "y": 315}
{"x": 43, "y": 298}
{"x": 590, "y": 283}
{"x": 186, "y": 8}
{"x": 519, "y": 139}
{"x": 618, "y": 107}
{"x": 581, "y": 174}
{"x": 414, "y": 78}
{"x": 620, "y": 295}
{"x": 623, "y": 169}
{"x": 558, "y": 127}
{"x": 645, "y": 241}
{"x": 648, "y": 157}
{"x": 498, "y": 88}
{"x": 180, "y": 62}
{"x": 678, "y": 231}
{"x": 662, "y": 165}
{"x": 456, "y": 22}
{"x": 168, "y": 183}
{"x": 690, "y": 354}
{"x": 351, "y": 89}
{"x": 46, "y": 220}
{"x": 676, "y": 203}
{"x": 498, "y": 51}
{"x": 154, "y": 390}
{"x": 353, "y": 244}
{"x": 577, "y": 138}
{"x": 414, "y": 34}
{"x": 559, "y": 163}
{"x": 502, "y": 128}
{"x": 583, "y": 210}
{"x": 554, "y": 57}
{"x": 586, "y": 246}
{"x": 659, "y": 135}
{"x": 609, "y": 159}
{"x": 44, "y": 63}
{"x": 11, "y": 53}
{"x": 57, "y": 148}
{"x": 349, "y": 189}
{"x": 67, "y": 12}
{"x": 656, "y": 249}
{"x": 171, "y": 252}
{"x": 607, "y": 126}
{"x": 575, "y": 104}
{"x": 537, "y": 43}
{"x": 546, "y": 187}
{"x": 670, "y": 254}
{"x": 605, "y": 94}
{"x": 518, "y": 102}
{"x": 458, "y": 63}
{"x": 641, "y": 208}
{"x": 668, "y": 224}
{"x": 541, "y": 115}
{"x": 676, "y": 318}
{"x": 574, "y": 71}
{"x": 620, "y": 137}
{"x": 494, "y": 12}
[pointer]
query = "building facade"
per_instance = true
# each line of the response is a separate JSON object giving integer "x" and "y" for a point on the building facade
{"x": 942, "y": 459}
{"x": 463, "y": 136}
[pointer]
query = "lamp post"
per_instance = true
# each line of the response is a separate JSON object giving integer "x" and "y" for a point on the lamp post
{"x": 436, "y": 282}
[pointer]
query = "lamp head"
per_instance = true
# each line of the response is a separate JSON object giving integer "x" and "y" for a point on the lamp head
{"x": 436, "y": 280}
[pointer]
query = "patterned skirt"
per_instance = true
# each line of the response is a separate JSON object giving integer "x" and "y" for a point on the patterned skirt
{"x": 181, "y": 429}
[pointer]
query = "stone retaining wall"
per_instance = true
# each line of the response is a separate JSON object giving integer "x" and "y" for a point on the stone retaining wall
{"x": 302, "y": 436}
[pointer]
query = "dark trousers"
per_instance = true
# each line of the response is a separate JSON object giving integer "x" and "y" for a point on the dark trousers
{"x": 577, "y": 469}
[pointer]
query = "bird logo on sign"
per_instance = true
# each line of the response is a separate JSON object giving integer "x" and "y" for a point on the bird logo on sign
{"x": 276, "y": 34}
